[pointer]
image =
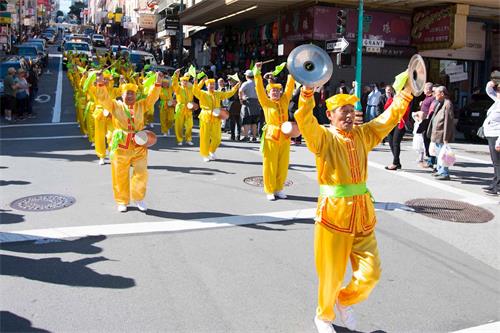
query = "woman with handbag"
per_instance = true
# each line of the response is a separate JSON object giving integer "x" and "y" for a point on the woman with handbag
{"x": 22, "y": 94}
{"x": 491, "y": 130}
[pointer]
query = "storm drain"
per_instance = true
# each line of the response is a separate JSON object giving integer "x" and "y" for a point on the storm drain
{"x": 450, "y": 210}
{"x": 258, "y": 181}
{"x": 42, "y": 202}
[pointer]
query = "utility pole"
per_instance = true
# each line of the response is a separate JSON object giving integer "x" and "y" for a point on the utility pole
{"x": 20, "y": 26}
{"x": 359, "y": 55}
{"x": 180, "y": 42}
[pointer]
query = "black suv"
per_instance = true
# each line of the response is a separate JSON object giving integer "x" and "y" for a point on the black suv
{"x": 472, "y": 116}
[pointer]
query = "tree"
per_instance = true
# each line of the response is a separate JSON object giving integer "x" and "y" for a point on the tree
{"x": 59, "y": 13}
{"x": 76, "y": 8}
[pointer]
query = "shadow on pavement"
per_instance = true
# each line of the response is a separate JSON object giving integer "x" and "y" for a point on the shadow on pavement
{"x": 56, "y": 271}
{"x": 472, "y": 165}
{"x": 84, "y": 245}
{"x": 10, "y": 322}
{"x": 282, "y": 223}
{"x": 340, "y": 329}
{"x": 10, "y": 218}
{"x": 13, "y": 182}
{"x": 301, "y": 198}
{"x": 182, "y": 216}
{"x": 190, "y": 170}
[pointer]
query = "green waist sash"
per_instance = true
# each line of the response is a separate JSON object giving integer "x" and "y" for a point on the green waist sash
{"x": 342, "y": 191}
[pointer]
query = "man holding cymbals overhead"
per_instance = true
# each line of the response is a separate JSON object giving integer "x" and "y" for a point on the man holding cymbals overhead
{"x": 345, "y": 216}
{"x": 128, "y": 118}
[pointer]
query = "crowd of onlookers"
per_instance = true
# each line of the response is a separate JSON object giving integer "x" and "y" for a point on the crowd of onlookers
{"x": 20, "y": 89}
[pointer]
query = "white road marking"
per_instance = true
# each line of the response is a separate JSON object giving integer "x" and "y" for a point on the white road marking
{"x": 487, "y": 328}
{"x": 43, "y": 98}
{"x": 472, "y": 159}
{"x": 56, "y": 115}
{"x": 39, "y": 124}
{"x": 469, "y": 197}
{"x": 43, "y": 138}
{"x": 55, "y": 55}
{"x": 153, "y": 227}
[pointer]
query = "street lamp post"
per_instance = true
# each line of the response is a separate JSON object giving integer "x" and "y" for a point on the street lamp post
{"x": 180, "y": 41}
{"x": 359, "y": 55}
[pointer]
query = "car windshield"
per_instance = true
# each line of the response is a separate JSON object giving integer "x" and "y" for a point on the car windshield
{"x": 27, "y": 51}
{"x": 37, "y": 46}
{"x": 98, "y": 37}
{"x": 76, "y": 47}
{"x": 136, "y": 58}
{"x": 115, "y": 48}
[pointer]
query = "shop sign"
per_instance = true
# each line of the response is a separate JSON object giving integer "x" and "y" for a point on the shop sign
{"x": 373, "y": 43}
{"x": 167, "y": 32}
{"x": 147, "y": 21}
{"x": 453, "y": 68}
{"x": 456, "y": 77}
{"x": 392, "y": 28}
{"x": 5, "y": 18}
{"x": 440, "y": 27}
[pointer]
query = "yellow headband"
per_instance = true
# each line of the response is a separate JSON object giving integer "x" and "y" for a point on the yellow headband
{"x": 128, "y": 87}
{"x": 107, "y": 76}
{"x": 207, "y": 82}
{"x": 274, "y": 86}
{"x": 340, "y": 100}
{"x": 185, "y": 78}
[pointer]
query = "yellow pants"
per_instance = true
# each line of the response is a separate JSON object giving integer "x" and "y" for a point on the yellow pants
{"x": 90, "y": 124}
{"x": 275, "y": 164}
{"x": 80, "y": 108}
{"x": 332, "y": 250}
{"x": 210, "y": 136}
{"x": 125, "y": 188}
{"x": 100, "y": 134}
{"x": 166, "y": 118}
{"x": 184, "y": 120}
{"x": 149, "y": 117}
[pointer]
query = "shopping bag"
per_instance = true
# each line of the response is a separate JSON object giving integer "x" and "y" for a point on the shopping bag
{"x": 446, "y": 156}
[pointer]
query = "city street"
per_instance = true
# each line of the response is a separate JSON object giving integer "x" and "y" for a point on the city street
{"x": 212, "y": 254}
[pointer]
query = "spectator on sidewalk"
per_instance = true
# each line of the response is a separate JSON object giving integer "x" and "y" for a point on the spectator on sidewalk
{"x": 22, "y": 94}
{"x": 10, "y": 94}
{"x": 234, "y": 114}
{"x": 425, "y": 108}
{"x": 372, "y": 109}
{"x": 491, "y": 127}
{"x": 397, "y": 133}
{"x": 441, "y": 128}
{"x": 250, "y": 108}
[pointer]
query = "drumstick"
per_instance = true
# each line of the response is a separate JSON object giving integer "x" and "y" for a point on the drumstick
{"x": 267, "y": 61}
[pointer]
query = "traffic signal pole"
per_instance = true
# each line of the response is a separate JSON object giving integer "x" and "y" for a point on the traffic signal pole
{"x": 359, "y": 53}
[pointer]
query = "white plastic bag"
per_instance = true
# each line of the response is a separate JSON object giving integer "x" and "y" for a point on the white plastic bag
{"x": 432, "y": 149}
{"x": 446, "y": 156}
{"x": 418, "y": 142}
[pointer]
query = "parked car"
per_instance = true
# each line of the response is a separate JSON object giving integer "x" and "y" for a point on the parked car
{"x": 39, "y": 40}
{"x": 49, "y": 37}
{"x": 31, "y": 54}
{"x": 114, "y": 48}
{"x": 75, "y": 47}
{"x": 40, "y": 50}
{"x": 98, "y": 40}
{"x": 472, "y": 116}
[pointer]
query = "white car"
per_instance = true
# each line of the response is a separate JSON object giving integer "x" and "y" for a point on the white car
{"x": 76, "y": 47}
{"x": 98, "y": 40}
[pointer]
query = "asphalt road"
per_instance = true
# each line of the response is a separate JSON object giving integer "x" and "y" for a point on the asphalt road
{"x": 211, "y": 254}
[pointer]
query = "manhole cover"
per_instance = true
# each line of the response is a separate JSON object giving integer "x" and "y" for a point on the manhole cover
{"x": 450, "y": 210}
{"x": 42, "y": 202}
{"x": 259, "y": 181}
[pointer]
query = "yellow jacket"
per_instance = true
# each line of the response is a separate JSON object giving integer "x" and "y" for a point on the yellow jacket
{"x": 342, "y": 159}
{"x": 182, "y": 95}
{"x": 276, "y": 113}
{"x": 210, "y": 101}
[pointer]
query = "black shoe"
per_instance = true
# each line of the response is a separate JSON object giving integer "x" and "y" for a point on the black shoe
{"x": 443, "y": 177}
{"x": 233, "y": 138}
{"x": 491, "y": 192}
{"x": 254, "y": 139}
{"x": 393, "y": 167}
{"x": 245, "y": 139}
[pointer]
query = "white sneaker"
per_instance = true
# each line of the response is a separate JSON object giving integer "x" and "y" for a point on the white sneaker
{"x": 270, "y": 197}
{"x": 189, "y": 143}
{"x": 101, "y": 161}
{"x": 212, "y": 156}
{"x": 164, "y": 134}
{"x": 92, "y": 144}
{"x": 141, "y": 205}
{"x": 151, "y": 125}
{"x": 179, "y": 143}
{"x": 122, "y": 208}
{"x": 168, "y": 132}
{"x": 323, "y": 326}
{"x": 347, "y": 316}
{"x": 206, "y": 159}
{"x": 280, "y": 194}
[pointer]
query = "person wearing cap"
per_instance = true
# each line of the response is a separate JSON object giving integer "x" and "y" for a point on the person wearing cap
{"x": 128, "y": 118}
{"x": 250, "y": 109}
{"x": 183, "y": 114}
{"x": 275, "y": 145}
{"x": 345, "y": 217}
{"x": 210, "y": 125}
{"x": 167, "y": 107}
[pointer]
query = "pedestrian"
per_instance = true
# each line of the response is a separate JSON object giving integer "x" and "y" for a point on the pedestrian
{"x": 234, "y": 113}
{"x": 345, "y": 218}
{"x": 210, "y": 125}
{"x": 425, "y": 107}
{"x": 275, "y": 145}
{"x": 418, "y": 138}
{"x": 491, "y": 128}
{"x": 22, "y": 94}
{"x": 10, "y": 94}
{"x": 32, "y": 79}
{"x": 250, "y": 108}
{"x": 128, "y": 118}
{"x": 397, "y": 133}
{"x": 372, "y": 109}
{"x": 442, "y": 129}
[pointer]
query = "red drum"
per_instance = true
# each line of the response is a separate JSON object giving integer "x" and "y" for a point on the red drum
{"x": 290, "y": 129}
{"x": 145, "y": 138}
{"x": 221, "y": 113}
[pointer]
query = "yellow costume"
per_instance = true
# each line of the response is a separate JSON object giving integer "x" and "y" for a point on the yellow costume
{"x": 183, "y": 115}
{"x": 275, "y": 145}
{"x": 128, "y": 153}
{"x": 103, "y": 124}
{"x": 210, "y": 125}
{"x": 345, "y": 216}
{"x": 166, "y": 110}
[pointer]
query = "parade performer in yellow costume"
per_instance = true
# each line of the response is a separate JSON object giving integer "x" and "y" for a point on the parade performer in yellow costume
{"x": 275, "y": 145}
{"x": 210, "y": 125}
{"x": 345, "y": 216}
{"x": 183, "y": 114}
{"x": 128, "y": 118}
{"x": 167, "y": 107}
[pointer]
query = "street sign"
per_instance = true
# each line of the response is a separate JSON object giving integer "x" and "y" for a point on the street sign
{"x": 456, "y": 77}
{"x": 454, "y": 68}
{"x": 337, "y": 45}
{"x": 373, "y": 42}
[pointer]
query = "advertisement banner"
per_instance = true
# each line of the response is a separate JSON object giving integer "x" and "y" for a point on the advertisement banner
{"x": 147, "y": 21}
